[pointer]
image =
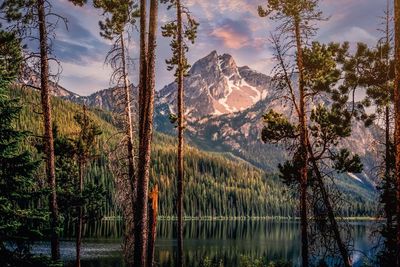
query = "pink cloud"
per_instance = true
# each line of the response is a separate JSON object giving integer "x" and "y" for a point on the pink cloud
{"x": 230, "y": 37}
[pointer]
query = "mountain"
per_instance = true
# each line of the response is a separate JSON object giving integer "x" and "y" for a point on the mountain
{"x": 224, "y": 108}
{"x": 111, "y": 99}
{"x": 216, "y": 85}
{"x": 238, "y": 130}
{"x": 217, "y": 184}
{"x": 29, "y": 77}
{"x": 226, "y": 155}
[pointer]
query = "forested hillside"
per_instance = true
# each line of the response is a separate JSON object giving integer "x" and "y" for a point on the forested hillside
{"x": 217, "y": 184}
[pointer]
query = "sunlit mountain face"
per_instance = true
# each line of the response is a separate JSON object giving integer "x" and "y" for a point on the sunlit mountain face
{"x": 216, "y": 86}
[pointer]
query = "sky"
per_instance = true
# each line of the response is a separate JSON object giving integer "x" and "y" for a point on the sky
{"x": 227, "y": 26}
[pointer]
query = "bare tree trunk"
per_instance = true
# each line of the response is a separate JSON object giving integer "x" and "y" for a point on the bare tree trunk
{"x": 331, "y": 216}
{"x": 397, "y": 115}
{"x": 303, "y": 149}
{"x": 128, "y": 118}
{"x": 140, "y": 213}
{"x": 387, "y": 108}
{"x": 48, "y": 131}
{"x": 387, "y": 182}
{"x": 181, "y": 119}
{"x": 124, "y": 198}
{"x": 153, "y": 213}
{"x": 143, "y": 66}
{"x": 129, "y": 222}
{"x": 145, "y": 138}
{"x": 79, "y": 223}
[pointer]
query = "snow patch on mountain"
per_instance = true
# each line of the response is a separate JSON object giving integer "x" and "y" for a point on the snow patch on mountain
{"x": 216, "y": 86}
{"x": 352, "y": 175}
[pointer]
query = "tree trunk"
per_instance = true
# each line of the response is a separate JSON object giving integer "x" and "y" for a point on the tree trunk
{"x": 387, "y": 179}
{"x": 48, "y": 131}
{"x": 79, "y": 223}
{"x": 143, "y": 66}
{"x": 303, "y": 149}
{"x": 145, "y": 138}
{"x": 397, "y": 115}
{"x": 153, "y": 212}
{"x": 387, "y": 107}
{"x": 129, "y": 222}
{"x": 128, "y": 118}
{"x": 331, "y": 216}
{"x": 181, "y": 118}
{"x": 140, "y": 213}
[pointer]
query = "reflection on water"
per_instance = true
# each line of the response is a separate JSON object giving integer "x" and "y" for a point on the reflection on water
{"x": 224, "y": 241}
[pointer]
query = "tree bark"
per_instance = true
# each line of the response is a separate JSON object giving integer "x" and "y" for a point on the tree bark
{"x": 331, "y": 216}
{"x": 79, "y": 223}
{"x": 140, "y": 214}
{"x": 303, "y": 148}
{"x": 153, "y": 212}
{"x": 145, "y": 138}
{"x": 397, "y": 115}
{"x": 129, "y": 222}
{"x": 143, "y": 65}
{"x": 128, "y": 118}
{"x": 48, "y": 131}
{"x": 181, "y": 114}
{"x": 387, "y": 179}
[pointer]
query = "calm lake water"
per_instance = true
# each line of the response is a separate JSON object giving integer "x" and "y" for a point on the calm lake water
{"x": 219, "y": 241}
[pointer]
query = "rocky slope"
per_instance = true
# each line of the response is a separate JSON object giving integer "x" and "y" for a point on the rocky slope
{"x": 237, "y": 128}
{"x": 111, "y": 99}
{"x": 31, "y": 78}
{"x": 215, "y": 86}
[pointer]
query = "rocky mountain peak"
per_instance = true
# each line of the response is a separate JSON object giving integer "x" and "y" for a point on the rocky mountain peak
{"x": 205, "y": 66}
{"x": 30, "y": 77}
{"x": 216, "y": 86}
{"x": 229, "y": 68}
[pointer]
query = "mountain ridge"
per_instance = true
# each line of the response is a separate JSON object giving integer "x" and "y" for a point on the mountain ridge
{"x": 212, "y": 80}
{"x": 216, "y": 85}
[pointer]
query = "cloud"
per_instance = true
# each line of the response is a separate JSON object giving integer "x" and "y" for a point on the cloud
{"x": 354, "y": 35}
{"x": 229, "y": 26}
{"x": 236, "y": 34}
{"x": 217, "y": 8}
{"x": 85, "y": 79}
{"x": 231, "y": 36}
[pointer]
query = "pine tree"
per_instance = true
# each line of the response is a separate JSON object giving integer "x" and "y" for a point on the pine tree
{"x": 326, "y": 127}
{"x": 373, "y": 70}
{"x": 295, "y": 18}
{"x": 178, "y": 30}
{"x": 32, "y": 15}
{"x": 315, "y": 68}
{"x": 85, "y": 151}
{"x": 11, "y": 56}
{"x": 120, "y": 15}
{"x": 21, "y": 222}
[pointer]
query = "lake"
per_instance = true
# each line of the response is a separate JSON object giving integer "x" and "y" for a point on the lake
{"x": 218, "y": 241}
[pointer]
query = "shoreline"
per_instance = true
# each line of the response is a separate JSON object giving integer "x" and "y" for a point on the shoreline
{"x": 244, "y": 218}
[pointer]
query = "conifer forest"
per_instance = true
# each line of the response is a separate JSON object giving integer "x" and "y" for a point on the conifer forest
{"x": 197, "y": 133}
